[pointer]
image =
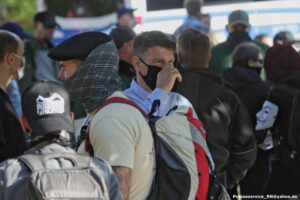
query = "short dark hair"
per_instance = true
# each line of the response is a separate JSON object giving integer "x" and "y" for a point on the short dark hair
{"x": 149, "y": 39}
{"x": 194, "y": 47}
{"x": 121, "y": 35}
{"x": 244, "y": 52}
{"x": 9, "y": 42}
{"x": 193, "y": 6}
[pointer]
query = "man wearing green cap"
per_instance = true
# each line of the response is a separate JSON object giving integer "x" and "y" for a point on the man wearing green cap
{"x": 238, "y": 28}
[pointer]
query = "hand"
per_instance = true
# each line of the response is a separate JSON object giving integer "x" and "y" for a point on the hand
{"x": 166, "y": 78}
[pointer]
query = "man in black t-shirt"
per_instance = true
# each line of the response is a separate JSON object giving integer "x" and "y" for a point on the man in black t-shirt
{"x": 12, "y": 140}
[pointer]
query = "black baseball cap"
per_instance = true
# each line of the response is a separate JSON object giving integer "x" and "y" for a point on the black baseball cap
{"x": 122, "y": 34}
{"x": 238, "y": 17}
{"x": 286, "y": 37}
{"x": 47, "y": 18}
{"x": 46, "y": 106}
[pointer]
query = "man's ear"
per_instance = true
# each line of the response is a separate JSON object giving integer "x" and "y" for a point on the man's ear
{"x": 9, "y": 58}
{"x": 72, "y": 116}
{"x": 126, "y": 46}
{"x": 136, "y": 63}
{"x": 25, "y": 124}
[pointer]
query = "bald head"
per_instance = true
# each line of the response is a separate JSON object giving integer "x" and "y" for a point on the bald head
{"x": 9, "y": 42}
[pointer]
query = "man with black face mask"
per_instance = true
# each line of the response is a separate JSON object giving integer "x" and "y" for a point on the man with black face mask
{"x": 238, "y": 28}
{"x": 156, "y": 75}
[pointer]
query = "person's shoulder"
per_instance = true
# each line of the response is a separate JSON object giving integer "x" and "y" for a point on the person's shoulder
{"x": 11, "y": 167}
{"x": 221, "y": 45}
{"x": 119, "y": 110}
{"x": 30, "y": 41}
{"x": 182, "y": 101}
{"x": 30, "y": 45}
{"x": 221, "y": 50}
{"x": 228, "y": 95}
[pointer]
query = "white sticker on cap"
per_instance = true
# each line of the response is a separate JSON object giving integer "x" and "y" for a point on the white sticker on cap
{"x": 54, "y": 104}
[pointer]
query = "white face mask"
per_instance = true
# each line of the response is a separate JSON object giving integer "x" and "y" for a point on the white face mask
{"x": 266, "y": 116}
{"x": 22, "y": 67}
{"x": 21, "y": 72}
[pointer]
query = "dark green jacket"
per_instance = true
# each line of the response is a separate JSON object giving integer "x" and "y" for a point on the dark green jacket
{"x": 222, "y": 56}
{"x": 126, "y": 72}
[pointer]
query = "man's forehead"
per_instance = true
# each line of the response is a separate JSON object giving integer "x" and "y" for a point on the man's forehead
{"x": 160, "y": 51}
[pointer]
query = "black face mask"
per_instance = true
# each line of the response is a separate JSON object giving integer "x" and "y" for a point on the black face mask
{"x": 237, "y": 37}
{"x": 151, "y": 76}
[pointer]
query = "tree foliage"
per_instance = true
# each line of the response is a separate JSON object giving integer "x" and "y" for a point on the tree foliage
{"x": 21, "y": 11}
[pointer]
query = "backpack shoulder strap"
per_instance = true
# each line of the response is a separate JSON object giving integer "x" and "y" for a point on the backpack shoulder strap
{"x": 33, "y": 162}
{"x": 37, "y": 161}
{"x": 122, "y": 100}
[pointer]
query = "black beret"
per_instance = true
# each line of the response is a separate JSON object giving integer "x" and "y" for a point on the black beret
{"x": 78, "y": 46}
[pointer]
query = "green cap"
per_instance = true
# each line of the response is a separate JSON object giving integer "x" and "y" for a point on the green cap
{"x": 238, "y": 17}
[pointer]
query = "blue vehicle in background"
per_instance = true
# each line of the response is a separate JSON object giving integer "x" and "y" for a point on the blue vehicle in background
{"x": 266, "y": 16}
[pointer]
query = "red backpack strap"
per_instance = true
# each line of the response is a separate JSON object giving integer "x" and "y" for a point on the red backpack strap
{"x": 202, "y": 155}
{"x": 121, "y": 100}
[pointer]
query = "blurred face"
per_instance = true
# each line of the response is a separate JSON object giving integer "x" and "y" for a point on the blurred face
{"x": 257, "y": 63}
{"x": 68, "y": 69}
{"x": 42, "y": 32}
{"x": 127, "y": 19}
{"x": 266, "y": 116}
{"x": 238, "y": 27}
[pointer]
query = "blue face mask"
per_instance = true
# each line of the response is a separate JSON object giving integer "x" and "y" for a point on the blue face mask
{"x": 151, "y": 76}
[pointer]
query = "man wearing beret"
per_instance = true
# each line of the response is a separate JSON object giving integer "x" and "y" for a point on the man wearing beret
{"x": 89, "y": 69}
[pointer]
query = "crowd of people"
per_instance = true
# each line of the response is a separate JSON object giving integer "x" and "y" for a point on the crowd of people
{"x": 244, "y": 91}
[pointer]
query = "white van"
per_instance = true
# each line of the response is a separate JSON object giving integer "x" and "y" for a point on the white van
{"x": 266, "y": 16}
